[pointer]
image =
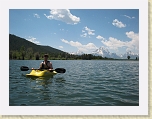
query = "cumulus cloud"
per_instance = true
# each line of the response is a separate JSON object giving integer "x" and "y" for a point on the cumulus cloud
{"x": 36, "y": 15}
{"x": 90, "y": 32}
{"x": 118, "y": 24}
{"x": 100, "y": 37}
{"x": 87, "y": 32}
{"x": 87, "y": 47}
{"x": 129, "y": 17}
{"x": 63, "y": 15}
{"x": 133, "y": 44}
{"x": 33, "y": 40}
{"x": 113, "y": 43}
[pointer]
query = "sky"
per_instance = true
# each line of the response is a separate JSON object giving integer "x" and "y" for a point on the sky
{"x": 73, "y": 30}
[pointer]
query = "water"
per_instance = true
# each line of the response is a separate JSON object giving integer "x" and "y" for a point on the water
{"x": 85, "y": 83}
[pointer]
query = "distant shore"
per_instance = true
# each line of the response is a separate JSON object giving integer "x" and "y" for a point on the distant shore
{"x": 86, "y": 59}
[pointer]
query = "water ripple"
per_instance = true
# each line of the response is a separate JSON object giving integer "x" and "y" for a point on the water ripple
{"x": 85, "y": 83}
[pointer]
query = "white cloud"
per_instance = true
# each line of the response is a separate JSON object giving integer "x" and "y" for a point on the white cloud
{"x": 100, "y": 37}
{"x": 90, "y": 46}
{"x": 65, "y": 41}
{"x": 129, "y": 17}
{"x": 87, "y": 31}
{"x": 63, "y": 15}
{"x": 36, "y": 15}
{"x": 134, "y": 43}
{"x": 113, "y": 43}
{"x": 84, "y": 48}
{"x": 118, "y": 24}
{"x": 84, "y": 35}
{"x": 90, "y": 32}
{"x": 33, "y": 40}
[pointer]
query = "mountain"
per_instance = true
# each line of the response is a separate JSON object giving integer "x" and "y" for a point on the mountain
{"x": 104, "y": 52}
{"x": 115, "y": 56}
{"x": 77, "y": 53}
{"x": 131, "y": 54}
{"x": 20, "y": 48}
{"x": 15, "y": 44}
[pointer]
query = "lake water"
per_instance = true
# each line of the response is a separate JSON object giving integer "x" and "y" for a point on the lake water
{"x": 85, "y": 83}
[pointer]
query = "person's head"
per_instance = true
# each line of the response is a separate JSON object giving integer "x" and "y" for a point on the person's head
{"x": 46, "y": 57}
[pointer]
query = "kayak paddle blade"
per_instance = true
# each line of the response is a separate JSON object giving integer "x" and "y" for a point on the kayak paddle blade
{"x": 24, "y": 68}
{"x": 60, "y": 70}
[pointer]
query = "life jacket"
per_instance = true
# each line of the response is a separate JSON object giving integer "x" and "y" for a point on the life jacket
{"x": 45, "y": 66}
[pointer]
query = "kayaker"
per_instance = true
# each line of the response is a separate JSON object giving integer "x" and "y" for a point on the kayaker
{"x": 46, "y": 64}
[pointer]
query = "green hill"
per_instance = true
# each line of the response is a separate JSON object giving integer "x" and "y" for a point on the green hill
{"x": 20, "y": 48}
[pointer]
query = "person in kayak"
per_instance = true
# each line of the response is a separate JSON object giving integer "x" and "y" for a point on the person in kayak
{"x": 46, "y": 64}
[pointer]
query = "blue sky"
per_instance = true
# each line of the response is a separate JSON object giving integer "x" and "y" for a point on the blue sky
{"x": 71, "y": 30}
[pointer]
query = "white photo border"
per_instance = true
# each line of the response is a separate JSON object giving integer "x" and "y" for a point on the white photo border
{"x": 142, "y": 109}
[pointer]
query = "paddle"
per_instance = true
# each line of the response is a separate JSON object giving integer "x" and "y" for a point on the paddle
{"x": 58, "y": 70}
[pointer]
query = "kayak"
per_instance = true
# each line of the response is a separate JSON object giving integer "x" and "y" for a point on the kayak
{"x": 41, "y": 73}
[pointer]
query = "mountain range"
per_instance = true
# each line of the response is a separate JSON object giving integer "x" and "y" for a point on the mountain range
{"x": 77, "y": 53}
{"x": 104, "y": 52}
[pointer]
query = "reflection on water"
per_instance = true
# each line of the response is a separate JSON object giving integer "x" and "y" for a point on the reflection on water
{"x": 39, "y": 78}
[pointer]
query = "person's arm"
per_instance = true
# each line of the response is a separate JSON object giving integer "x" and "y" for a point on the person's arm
{"x": 51, "y": 66}
{"x": 40, "y": 66}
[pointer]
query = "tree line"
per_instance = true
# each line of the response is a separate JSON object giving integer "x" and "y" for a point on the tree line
{"x": 29, "y": 54}
{"x": 128, "y": 57}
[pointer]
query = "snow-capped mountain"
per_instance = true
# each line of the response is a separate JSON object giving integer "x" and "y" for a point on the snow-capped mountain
{"x": 101, "y": 52}
{"x": 131, "y": 54}
{"x": 115, "y": 56}
{"x": 77, "y": 53}
{"x": 104, "y": 52}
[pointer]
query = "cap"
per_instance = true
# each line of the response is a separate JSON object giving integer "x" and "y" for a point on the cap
{"x": 46, "y": 55}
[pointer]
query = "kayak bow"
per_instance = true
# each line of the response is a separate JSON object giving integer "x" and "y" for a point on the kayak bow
{"x": 41, "y": 73}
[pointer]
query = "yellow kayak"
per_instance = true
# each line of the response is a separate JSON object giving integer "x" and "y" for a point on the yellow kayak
{"x": 41, "y": 73}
